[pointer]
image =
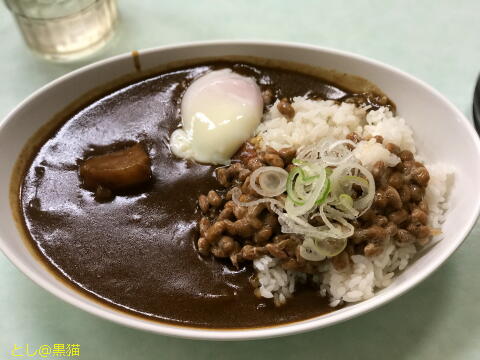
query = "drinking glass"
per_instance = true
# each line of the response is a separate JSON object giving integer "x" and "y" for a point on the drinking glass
{"x": 64, "y": 30}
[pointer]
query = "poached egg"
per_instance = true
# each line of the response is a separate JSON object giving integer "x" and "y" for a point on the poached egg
{"x": 219, "y": 112}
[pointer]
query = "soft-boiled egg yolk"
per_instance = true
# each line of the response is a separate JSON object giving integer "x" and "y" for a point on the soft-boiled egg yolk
{"x": 220, "y": 111}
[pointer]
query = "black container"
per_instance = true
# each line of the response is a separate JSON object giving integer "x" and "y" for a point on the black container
{"x": 476, "y": 106}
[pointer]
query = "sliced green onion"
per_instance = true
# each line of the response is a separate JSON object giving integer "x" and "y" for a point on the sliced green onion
{"x": 317, "y": 249}
{"x": 342, "y": 181}
{"x": 325, "y": 191}
{"x": 299, "y": 162}
{"x": 309, "y": 179}
{"x": 310, "y": 251}
{"x": 346, "y": 200}
{"x": 355, "y": 180}
{"x": 295, "y": 173}
{"x": 330, "y": 247}
{"x": 302, "y": 190}
{"x": 324, "y": 187}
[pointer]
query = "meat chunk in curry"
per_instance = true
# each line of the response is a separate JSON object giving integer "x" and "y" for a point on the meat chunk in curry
{"x": 117, "y": 171}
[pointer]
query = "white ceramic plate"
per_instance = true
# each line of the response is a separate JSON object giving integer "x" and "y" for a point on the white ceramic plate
{"x": 442, "y": 133}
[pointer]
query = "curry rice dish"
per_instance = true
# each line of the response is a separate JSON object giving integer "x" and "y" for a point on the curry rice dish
{"x": 231, "y": 195}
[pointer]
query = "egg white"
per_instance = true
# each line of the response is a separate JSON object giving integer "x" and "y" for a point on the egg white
{"x": 220, "y": 111}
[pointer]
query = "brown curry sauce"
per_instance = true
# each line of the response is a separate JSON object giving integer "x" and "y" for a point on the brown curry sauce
{"x": 137, "y": 251}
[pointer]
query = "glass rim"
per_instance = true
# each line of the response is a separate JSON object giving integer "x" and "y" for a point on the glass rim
{"x": 20, "y": 15}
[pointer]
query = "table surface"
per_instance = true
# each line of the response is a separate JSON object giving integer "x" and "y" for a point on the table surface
{"x": 437, "y": 41}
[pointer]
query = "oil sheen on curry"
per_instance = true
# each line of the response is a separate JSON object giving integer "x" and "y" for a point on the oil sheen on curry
{"x": 115, "y": 203}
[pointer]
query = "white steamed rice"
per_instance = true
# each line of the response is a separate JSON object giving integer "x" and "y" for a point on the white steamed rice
{"x": 313, "y": 121}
